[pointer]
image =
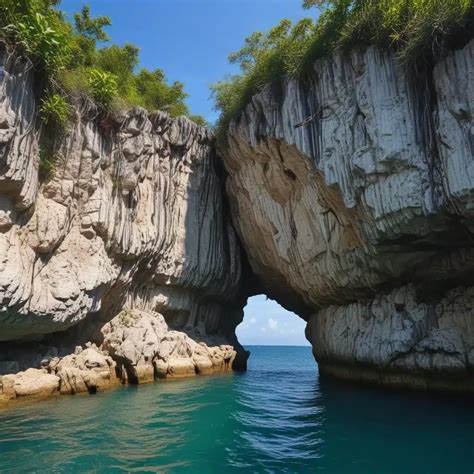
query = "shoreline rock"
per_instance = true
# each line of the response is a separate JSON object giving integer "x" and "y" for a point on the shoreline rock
{"x": 146, "y": 349}
{"x": 137, "y": 348}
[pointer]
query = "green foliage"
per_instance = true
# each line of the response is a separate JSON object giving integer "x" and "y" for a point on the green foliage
{"x": 121, "y": 62}
{"x": 199, "y": 120}
{"x": 154, "y": 92}
{"x": 87, "y": 33}
{"x": 67, "y": 57}
{"x": 43, "y": 41}
{"x": 327, "y": 31}
{"x": 39, "y": 30}
{"x": 418, "y": 29}
{"x": 92, "y": 28}
{"x": 103, "y": 86}
{"x": 75, "y": 81}
{"x": 54, "y": 110}
{"x": 47, "y": 165}
{"x": 48, "y": 153}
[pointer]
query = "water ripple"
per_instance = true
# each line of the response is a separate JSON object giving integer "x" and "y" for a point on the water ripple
{"x": 277, "y": 417}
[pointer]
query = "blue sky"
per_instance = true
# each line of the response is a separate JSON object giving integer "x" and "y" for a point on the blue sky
{"x": 267, "y": 323}
{"x": 190, "y": 40}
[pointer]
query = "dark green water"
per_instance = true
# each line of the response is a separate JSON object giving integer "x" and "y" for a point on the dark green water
{"x": 277, "y": 417}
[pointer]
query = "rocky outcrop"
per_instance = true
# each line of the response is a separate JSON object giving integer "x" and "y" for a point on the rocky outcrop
{"x": 113, "y": 211}
{"x": 137, "y": 347}
{"x": 133, "y": 215}
{"x": 146, "y": 349}
{"x": 399, "y": 340}
{"x": 30, "y": 384}
{"x": 361, "y": 220}
{"x": 86, "y": 370}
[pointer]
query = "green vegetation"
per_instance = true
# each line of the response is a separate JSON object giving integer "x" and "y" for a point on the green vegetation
{"x": 103, "y": 86}
{"x": 71, "y": 65}
{"x": 419, "y": 30}
{"x": 151, "y": 86}
{"x": 55, "y": 110}
{"x": 55, "y": 113}
{"x": 47, "y": 164}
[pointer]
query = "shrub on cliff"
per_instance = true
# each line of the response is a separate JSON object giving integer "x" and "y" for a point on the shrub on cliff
{"x": 103, "y": 86}
{"x": 67, "y": 57}
{"x": 54, "y": 110}
{"x": 419, "y": 30}
{"x": 39, "y": 30}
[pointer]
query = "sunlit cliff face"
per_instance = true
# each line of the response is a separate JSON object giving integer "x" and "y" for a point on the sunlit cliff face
{"x": 360, "y": 220}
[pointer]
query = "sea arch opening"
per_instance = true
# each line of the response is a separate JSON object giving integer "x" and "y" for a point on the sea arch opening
{"x": 267, "y": 323}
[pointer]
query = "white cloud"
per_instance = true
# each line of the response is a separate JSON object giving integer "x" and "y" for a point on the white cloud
{"x": 272, "y": 323}
{"x": 264, "y": 321}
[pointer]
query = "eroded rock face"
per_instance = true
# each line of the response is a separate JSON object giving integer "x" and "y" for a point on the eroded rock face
{"x": 399, "y": 340}
{"x": 132, "y": 215}
{"x": 361, "y": 219}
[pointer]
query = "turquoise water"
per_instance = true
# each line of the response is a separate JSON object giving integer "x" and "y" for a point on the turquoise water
{"x": 277, "y": 417}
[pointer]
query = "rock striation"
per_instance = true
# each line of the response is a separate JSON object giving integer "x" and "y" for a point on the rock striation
{"x": 361, "y": 220}
{"x": 113, "y": 212}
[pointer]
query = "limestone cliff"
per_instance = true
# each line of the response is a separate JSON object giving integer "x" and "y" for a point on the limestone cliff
{"x": 132, "y": 216}
{"x": 121, "y": 263}
{"x": 361, "y": 220}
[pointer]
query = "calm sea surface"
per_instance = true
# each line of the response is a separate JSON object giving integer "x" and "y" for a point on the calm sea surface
{"x": 277, "y": 417}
